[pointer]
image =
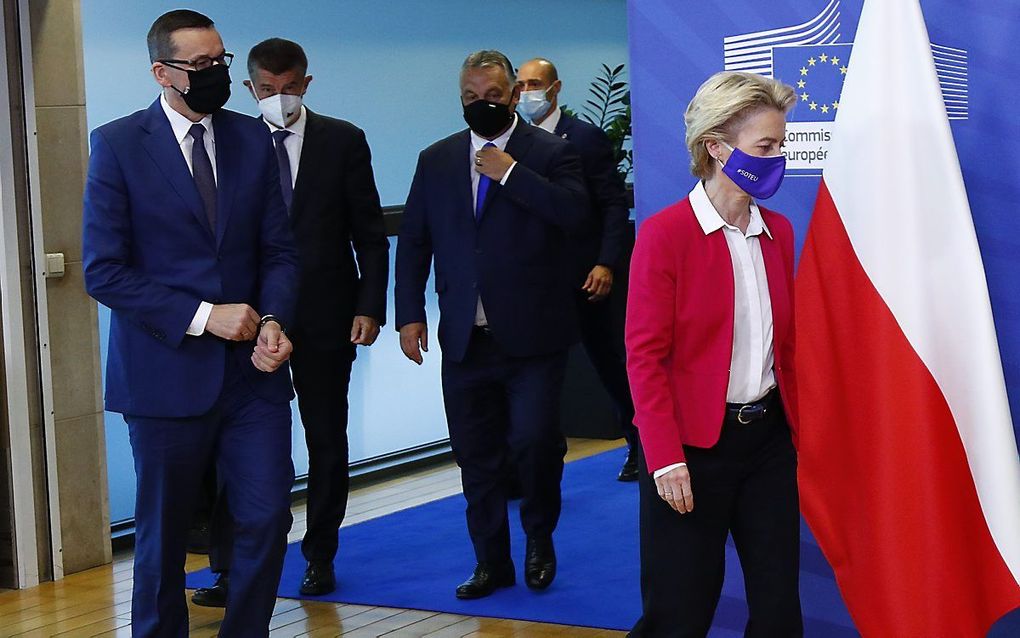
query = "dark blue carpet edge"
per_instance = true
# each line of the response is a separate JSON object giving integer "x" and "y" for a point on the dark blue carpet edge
{"x": 598, "y": 511}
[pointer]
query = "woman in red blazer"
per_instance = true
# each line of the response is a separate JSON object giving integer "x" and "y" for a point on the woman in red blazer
{"x": 709, "y": 356}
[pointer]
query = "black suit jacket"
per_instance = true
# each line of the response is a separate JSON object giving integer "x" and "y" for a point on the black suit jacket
{"x": 513, "y": 256}
{"x": 340, "y": 234}
{"x": 603, "y": 238}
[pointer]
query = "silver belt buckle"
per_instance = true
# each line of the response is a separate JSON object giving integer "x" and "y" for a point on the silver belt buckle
{"x": 740, "y": 413}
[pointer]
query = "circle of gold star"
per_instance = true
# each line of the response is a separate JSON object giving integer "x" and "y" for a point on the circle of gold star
{"x": 802, "y": 83}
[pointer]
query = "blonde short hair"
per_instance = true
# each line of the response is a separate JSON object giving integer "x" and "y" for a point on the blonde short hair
{"x": 721, "y": 106}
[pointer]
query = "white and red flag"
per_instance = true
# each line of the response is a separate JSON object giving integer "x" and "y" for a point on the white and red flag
{"x": 909, "y": 472}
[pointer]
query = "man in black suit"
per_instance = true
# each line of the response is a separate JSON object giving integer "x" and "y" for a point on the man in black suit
{"x": 492, "y": 206}
{"x": 327, "y": 183}
{"x": 598, "y": 247}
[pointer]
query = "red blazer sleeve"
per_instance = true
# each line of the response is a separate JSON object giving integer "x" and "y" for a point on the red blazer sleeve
{"x": 651, "y": 309}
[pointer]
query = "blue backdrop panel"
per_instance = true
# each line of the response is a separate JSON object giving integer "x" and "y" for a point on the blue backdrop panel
{"x": 675, "y": 46}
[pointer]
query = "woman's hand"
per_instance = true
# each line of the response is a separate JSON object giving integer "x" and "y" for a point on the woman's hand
{"x": 674, "y": 487}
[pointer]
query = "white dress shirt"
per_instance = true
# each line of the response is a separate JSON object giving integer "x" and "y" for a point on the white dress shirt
{"x": 182, "y": 131}
{"x": 549, "y": 123}
{"x": 752, "y": 359}
{"x": 294, "y": 142}
{"x": 478, "y": 143}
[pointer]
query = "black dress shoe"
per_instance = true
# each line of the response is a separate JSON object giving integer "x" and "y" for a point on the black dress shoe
{"x": 487, "y": 579}
{"x": 629, "y": 471}
{"x": 215, "y": 596}
{"x": 319, "y": 578}
{"x": 539, "y": 563}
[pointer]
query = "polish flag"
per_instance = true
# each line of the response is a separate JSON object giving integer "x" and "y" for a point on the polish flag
{"x": 909, "y": 472}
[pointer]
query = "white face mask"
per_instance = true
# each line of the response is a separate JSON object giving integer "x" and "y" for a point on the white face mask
{"x": 534, "y": 104}
{"x": 280, "y": 108}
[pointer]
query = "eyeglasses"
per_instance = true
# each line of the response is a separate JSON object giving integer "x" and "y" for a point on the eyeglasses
{"x": 200, "y": 63}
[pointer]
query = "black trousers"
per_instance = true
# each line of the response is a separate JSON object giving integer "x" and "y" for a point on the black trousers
{"x": 602, "y": 338}
{"x": 321, "y": 379}
{"x": 746, "y": 485}
{"x": 502, "y": 410}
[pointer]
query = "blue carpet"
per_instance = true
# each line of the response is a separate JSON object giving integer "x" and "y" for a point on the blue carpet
{"x": 415, "y": 558}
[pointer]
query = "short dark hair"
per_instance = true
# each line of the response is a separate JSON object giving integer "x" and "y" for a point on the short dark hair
{"x": 490, "y": 58}
{"x": 277, "y": 56}
{"x": 161, "y": 46}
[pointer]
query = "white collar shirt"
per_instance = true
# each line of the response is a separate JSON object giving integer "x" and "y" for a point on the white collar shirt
{"x": 181, "y": 127}
{"x": 752, "y": 360}
{"x": 293, "y": 142}
{"x": 478, "y": 143}
{"x": 549, "y": 123}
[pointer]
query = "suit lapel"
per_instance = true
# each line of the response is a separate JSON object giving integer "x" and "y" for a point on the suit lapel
{"x": 563, "y": 126}
{"x": 227, "y": 169}
{"x": 161, "y": 145}
{"x": 460, "y": 160}
{"x": 312, "y": 147}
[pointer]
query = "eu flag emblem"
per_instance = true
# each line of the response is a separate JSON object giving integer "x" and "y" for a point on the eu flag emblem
{"x": 816, "y": 72}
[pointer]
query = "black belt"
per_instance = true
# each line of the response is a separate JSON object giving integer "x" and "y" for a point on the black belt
{"x": 745, "y": 413}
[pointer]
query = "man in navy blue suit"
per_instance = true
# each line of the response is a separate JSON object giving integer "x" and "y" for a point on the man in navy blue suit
{"x": 598, "y": 247}
{"x": 492, "y": 206}
{"x": 186, "y": 240}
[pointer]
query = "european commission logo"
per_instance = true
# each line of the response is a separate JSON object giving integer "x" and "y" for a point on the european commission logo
{"x": 813, "y": 59}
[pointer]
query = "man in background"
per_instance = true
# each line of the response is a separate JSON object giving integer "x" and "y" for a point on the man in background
{"x": 326, "y": 178}
{"x": 491, "y": 205}
{"x": 185, "y": 238}
{"x": 598, "y": 247}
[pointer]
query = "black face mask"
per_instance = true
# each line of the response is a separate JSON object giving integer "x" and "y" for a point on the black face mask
{"x": 487, "y": 118}
{"x": 209, "y": 89}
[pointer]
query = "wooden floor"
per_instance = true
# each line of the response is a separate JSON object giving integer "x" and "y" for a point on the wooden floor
{"x": 97, "y": 602}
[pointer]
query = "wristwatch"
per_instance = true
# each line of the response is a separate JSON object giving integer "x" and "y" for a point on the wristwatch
{"x": 267, "y": 318}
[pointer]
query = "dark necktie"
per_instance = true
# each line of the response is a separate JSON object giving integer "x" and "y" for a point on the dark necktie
{"x": 484, "y": 181}
{"x": 283, "y": 159}
{"x": 202, "y": 171}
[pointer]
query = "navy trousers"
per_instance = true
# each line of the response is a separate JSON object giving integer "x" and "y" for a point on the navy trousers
{"x": 322, "y": 379}
{"x": 503, "y": 410}
{"x": 249, "y": 439}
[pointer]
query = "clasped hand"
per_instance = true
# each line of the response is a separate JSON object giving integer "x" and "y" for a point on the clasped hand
{"x": 240, "y": 322}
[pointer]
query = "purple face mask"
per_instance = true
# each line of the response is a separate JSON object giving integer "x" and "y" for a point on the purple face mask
{"x": 759, "y": 177}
